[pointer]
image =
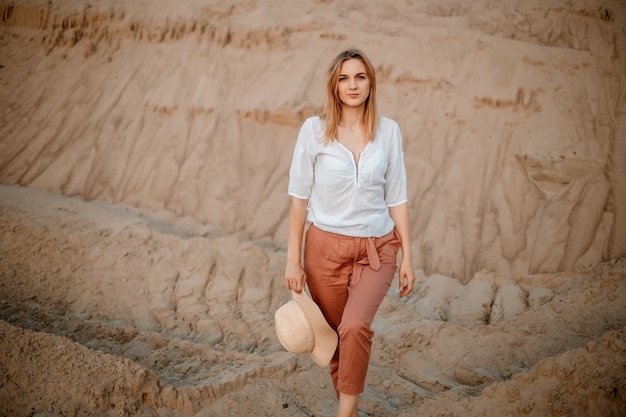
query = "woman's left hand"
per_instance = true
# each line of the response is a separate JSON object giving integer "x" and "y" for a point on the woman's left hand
{"x": 406, "y": 277}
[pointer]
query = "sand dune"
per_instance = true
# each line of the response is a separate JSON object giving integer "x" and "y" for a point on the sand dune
{"x": 144, "y": 150}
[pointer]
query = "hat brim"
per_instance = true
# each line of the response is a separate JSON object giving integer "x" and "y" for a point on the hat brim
{"x": 325, "y": 337}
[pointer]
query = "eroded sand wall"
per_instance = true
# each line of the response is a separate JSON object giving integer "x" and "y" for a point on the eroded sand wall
{"x": 513, "y": 115}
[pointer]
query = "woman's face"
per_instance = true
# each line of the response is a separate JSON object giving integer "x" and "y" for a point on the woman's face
{"x": 353, "y": 85}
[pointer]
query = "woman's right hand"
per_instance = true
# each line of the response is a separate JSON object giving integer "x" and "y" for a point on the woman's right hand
{"x": 294, "y": 276}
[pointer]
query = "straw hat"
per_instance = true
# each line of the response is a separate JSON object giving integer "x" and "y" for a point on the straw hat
{"x": 301, "y": 328}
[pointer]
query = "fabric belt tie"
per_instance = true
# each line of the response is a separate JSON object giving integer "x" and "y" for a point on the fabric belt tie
{"x": 371, "y": 259}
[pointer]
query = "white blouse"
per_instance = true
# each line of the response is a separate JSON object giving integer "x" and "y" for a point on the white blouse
{"x": 344, "y": 197}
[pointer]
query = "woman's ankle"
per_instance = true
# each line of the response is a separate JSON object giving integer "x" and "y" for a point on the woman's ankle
{"x": 348, "y": 405}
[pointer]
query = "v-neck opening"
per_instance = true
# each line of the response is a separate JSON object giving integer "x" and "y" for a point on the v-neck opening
{"x": 355, "y": 158}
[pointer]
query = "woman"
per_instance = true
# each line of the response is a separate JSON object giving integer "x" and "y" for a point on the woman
{"x": 347, "y": 178}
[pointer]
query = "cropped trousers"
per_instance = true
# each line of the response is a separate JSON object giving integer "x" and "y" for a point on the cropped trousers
{"x": 348, "y": 278}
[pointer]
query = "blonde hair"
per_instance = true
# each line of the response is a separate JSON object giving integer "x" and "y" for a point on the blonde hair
{"x": 331, "y": 112}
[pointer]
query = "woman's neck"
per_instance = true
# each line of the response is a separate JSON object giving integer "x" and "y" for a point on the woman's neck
{"x": 352, "y": 117}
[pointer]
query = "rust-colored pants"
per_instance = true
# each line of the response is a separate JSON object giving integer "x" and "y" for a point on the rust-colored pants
{"x": 348, "y": 278}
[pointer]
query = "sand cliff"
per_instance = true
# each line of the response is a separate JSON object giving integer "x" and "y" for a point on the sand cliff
{"x": 512, "y": 115}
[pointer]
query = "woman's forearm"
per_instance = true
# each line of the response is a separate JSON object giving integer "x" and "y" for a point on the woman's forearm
{"x": 406, "y": 274}
{"x": 400, "y": 216}
{"x": 297, "y": 218}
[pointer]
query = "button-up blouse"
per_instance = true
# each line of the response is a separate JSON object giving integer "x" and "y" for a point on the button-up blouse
{"x": 345, "y": 197}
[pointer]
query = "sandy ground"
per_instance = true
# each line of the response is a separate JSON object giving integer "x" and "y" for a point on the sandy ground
{"x": 108, "y": 311}
{"x": 144, "y": 151}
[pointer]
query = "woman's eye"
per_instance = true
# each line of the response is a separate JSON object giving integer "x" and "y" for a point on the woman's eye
{"x": 343, "y": 78}
{"x": 361, "y": 77}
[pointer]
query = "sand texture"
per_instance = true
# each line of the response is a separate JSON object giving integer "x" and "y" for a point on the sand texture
{"x": 144, "y": 153}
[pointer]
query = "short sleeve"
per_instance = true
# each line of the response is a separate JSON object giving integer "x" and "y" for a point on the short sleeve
{"x": 301, "y": 171}
{"x": 395, "y": 186}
